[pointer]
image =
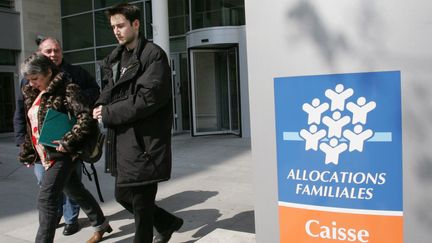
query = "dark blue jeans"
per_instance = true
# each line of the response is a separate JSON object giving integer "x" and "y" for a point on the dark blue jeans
{"x": 61, "y": 178}
{"x": 67, "y": 207}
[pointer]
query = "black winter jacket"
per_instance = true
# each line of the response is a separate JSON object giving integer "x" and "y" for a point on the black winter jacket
{"x": 137, "y": 111}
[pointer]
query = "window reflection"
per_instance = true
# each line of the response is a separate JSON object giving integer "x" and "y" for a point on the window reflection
{"x": 80, "y": 25}
{"x": 79, "y": 56}
{"x": 104, "y": 34}
{"x": 69, "y": 7}
{"x": 209, "y": 13}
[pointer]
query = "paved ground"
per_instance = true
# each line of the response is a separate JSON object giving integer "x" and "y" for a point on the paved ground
{"x": 211, "y": 190}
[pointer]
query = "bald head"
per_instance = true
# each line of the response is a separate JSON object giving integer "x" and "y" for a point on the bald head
{"x": 51, "y": 48}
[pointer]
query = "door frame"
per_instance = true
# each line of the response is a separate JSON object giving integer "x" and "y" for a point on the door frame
{"x": 177, "y": 126}
{"x": 16, "y": 89}
{"x": 214, "y": 48}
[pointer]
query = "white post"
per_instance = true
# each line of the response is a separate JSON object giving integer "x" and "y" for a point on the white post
{"x": 160, "y": 24}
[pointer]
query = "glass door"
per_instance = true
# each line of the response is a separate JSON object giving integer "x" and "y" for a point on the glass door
{"x": 215, "y": 91}
{"x": 176, "y": 94}
{"x": 180, "y": 92}
{"x": 7, "y": 101}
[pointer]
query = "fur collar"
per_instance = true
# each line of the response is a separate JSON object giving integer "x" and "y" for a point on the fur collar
{"x": 57, "y": 84}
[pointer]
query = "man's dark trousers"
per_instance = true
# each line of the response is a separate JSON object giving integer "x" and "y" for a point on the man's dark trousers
{"x": 140, "y": 201}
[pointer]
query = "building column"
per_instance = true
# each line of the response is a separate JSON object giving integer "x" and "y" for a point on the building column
{"x": 160, "y": 24}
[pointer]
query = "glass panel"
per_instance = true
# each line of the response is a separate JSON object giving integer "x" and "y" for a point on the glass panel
{"x": 148, "y": 20}
{"x": 178, "y": 44}
{"x": 233, "y": 16}
{"x": 108, "y": 3}
{"x": 82, "y": 24}
{"x": 75, "y": 6}
{"x": 234, "y": 91}
{"x": 206, "y": 5}
{"x": 178, "y": 7}
{"x": 211, "y": 90}
{"x": 7, "y": 101}
{"x": 142, "y": 21}
{"x": 233, "y": 3}
{"x": 216, "y": 101}
{"x": 208, "y": 13}
{"x": 184, "y": 89}
{"x": 178, "y": 17}
{"x": 7, "y": 57}
{"x": 101, "y": 53}
{"x": 178, "y": 25}
{"x": 7, "y": 4}
{"x": 90, "y": 68}
{"x": 79, "y": 56}
{"x": 207, "y": 19}
{"x": 222, "y": 90}
{"x": 104, "y": 33}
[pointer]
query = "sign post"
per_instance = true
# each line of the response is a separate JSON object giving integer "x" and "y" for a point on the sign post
{"x": 339, "y": 157}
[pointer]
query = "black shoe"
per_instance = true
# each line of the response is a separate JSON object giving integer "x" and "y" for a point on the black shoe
{"x": 71, "y": 229}
{"x": 164, "y": 237}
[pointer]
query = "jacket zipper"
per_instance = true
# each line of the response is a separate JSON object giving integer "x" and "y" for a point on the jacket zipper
{"x": 124, "y": 70}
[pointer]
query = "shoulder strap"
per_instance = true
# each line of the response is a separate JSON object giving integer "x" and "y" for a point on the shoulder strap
{"x": 94, "y": 172}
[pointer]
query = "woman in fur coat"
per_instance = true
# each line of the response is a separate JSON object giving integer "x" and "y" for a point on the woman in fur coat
{"x": 47, "y": 88}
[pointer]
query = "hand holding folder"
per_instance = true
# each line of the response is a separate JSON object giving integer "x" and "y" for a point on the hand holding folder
{"x": 55, "y": 126}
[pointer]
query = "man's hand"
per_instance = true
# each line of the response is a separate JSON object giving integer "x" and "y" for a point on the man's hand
{"x": 97, "y": 113}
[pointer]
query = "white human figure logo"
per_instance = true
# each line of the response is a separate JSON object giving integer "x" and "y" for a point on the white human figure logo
{"x": 315, "y": 110}
{"x": 357, "y": 138}
{"x": 332, "y": 151}
{"x": 312, "y": 137}
{"x": 335, "y": 124}
{"x": 338, "y": 98}
{"x": 360, "y": 110}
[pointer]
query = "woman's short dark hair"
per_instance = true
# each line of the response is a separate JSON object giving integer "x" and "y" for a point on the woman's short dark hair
{"x": 131, "y": 12}
{"x": 37, "y": 63}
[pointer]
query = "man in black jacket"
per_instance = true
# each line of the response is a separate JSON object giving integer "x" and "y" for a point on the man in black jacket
{"x": 136, "y": 107}
{"x": 51, "y": 48}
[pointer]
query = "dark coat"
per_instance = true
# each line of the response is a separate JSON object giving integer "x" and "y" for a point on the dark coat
{"x": 77, "y": 74}
{"x": 66, "y": 97}
{"x": 137, "y": 110}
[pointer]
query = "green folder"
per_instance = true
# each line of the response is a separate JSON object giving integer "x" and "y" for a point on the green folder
{"x": 55, "y": 126}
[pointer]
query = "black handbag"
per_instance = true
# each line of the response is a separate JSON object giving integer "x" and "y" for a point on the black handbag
{"x": 92, "y": 151}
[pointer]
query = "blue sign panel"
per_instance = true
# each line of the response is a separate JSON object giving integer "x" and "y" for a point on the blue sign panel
{"x": 339, "y": 140}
